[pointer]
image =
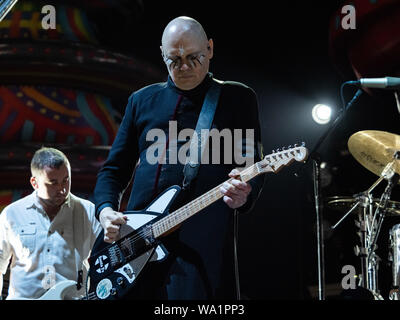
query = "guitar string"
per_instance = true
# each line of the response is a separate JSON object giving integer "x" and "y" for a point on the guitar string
{"x": 178, "y": 214}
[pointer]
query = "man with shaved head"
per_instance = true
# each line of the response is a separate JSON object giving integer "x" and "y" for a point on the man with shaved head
{"x": 186, "y": 52}
{"x": 201, "y": 261}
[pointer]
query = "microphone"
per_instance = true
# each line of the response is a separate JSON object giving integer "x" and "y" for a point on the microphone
{"x": 378, "y": 83}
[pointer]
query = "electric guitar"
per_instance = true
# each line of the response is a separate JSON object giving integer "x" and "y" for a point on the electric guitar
{"x": 115, "y": 267}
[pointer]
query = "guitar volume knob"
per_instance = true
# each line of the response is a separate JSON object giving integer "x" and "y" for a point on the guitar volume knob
{"x": 120, "y": 281}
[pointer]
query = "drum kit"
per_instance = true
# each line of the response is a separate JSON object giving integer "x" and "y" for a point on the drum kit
{"x": 379, "y": 152}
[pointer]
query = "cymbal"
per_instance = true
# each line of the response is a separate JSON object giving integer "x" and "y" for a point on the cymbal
{"x": 375, "y": 149}
{"x": 344, "y": 204}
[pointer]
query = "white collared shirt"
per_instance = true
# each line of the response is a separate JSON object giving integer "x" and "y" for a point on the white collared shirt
{"x": 45, "y": 252}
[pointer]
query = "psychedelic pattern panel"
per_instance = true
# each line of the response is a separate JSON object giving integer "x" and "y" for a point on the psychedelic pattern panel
{"x": 24, "y": 21}
{"x": 55, "y": 115}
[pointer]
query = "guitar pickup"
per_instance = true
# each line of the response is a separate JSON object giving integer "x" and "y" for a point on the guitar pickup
{"x": 116, "y": 256}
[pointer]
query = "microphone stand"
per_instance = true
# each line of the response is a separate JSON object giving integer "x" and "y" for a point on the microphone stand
{"x": 315, "y": 157}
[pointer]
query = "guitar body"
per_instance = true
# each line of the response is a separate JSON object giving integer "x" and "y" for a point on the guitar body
{"x": 115, "y": 267}
{"x": 60, "y": 291}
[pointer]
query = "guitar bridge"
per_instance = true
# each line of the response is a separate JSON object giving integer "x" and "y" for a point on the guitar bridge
{"x": 149, "y": 239}
{"x": 130, "y": 247}
{"x": 116, "y": 257}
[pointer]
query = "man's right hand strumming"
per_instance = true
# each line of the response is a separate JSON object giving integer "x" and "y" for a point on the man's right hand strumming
{"x": 111, "y": 221}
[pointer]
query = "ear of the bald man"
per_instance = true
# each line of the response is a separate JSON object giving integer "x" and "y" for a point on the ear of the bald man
{"x": 210, "y": 48}
{"x": 162, "y": 53}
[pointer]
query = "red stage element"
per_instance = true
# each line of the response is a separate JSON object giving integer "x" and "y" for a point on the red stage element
{"x": 372, "y": 49}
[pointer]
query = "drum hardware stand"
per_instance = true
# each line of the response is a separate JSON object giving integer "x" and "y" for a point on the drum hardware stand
{"x": 380, "y": 211}
{"x": 394, "y": 293}
{"x": 363, "y": 198}
{"x": 369, "y": 228}
{"x": 372, "y": 260}
{"x": 373, "y": 148}
{"x": 369, "y": 259}
{"x": 369, "y": 264}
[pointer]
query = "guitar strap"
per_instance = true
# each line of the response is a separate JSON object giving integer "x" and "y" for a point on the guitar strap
{"x": 200, "y": 136}
{"x": 199, "y": 139}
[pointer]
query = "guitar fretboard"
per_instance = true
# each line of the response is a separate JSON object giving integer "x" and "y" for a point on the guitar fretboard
{"x": 175, "y": 218}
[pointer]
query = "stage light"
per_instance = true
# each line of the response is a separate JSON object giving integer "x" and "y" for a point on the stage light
{"x": 321, "y": 113}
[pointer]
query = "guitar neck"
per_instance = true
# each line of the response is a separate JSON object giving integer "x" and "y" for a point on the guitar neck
{"x": 271, "y": 163}
{"x": 177, "y": 217}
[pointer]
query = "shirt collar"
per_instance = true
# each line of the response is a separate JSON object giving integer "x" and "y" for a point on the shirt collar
{"x": 200, "y": 89}
{"x": 35, "y": 203}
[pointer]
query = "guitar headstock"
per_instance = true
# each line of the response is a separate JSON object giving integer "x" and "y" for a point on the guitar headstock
{"x": 282, "y": 157}
{"x": 5, "y": 7}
